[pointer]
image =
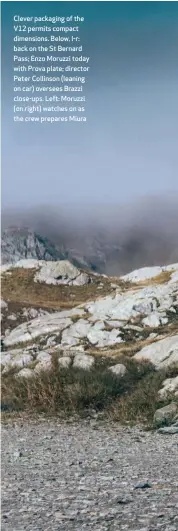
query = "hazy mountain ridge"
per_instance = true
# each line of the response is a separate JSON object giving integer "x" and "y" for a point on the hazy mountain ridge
{"x": 100, "y": 253}
{"x": 109, "y": 239}
{"x": 21, "y": 242}
{"x": 86, "y": 251}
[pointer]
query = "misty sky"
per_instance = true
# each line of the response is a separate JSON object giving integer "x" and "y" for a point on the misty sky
{"x": 129, "y": 146}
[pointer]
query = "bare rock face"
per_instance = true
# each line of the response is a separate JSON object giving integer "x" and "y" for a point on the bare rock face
{"x": 36, "y": 328}
{"x": 17, "y": 244}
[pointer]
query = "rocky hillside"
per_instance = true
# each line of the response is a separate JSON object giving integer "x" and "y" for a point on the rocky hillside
{"x": 54, "y": 309}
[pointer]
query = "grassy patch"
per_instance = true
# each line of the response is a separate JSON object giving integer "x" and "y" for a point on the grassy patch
{"x": 20, "y": 288}
{"x": 172, "y": 371}
{"x": 71, "y": 391}
{"x": 141, "y": 404}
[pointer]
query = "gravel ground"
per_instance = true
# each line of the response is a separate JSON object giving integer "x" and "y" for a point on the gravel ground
{"x": 82, "y": 476}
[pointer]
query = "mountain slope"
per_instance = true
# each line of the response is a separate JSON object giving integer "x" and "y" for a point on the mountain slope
{"x": 69, "y": 334}
{"x": 18, "y": 243}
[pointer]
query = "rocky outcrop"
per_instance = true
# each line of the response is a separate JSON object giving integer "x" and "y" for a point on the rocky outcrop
{"x": 62, "y": 272}
{"x": 162, "y": 354}
{"x": 144, "y": 317}
{"x": 17, "y": 244}
{"x": 51, "y": 272}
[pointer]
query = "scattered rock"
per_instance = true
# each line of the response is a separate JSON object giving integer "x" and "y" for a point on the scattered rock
{"x": 144, "y": 485}
{"x": 165, "y": 415}
{"x": 25, "y": 373}
{"x": 152, "y": 320}
{"x": 124, "y": 500}
{"x": 152, "y": 335}
{"x": 170, "y": 385}
{"x": 171, "y": 430}
{"x": 43, "y": 356}
{"x": 118, "y": 369}
{"x": 83, "y": 361}
{"x": 18, "y": 360}
{"x": 43, "y": 366}
{"x": 12, "y": 317}
{"x": 71, "y": 470}
{"x": 31, "y": 313}
{"x": 17, "y": 454}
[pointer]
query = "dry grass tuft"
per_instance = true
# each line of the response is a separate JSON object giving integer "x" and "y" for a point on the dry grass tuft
{"x": 66, "y": 392}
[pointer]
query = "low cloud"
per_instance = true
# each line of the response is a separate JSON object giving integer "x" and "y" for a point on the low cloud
{"x": 121, "y": 237}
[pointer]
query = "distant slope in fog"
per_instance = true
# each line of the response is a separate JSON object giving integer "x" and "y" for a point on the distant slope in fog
{"x": 110, "y": 239}
{"x": 20, "y": 242}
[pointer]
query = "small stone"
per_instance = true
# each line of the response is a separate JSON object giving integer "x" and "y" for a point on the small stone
{"x": 83, "y": 361}
{"x": 169, "y": 429}
{"x": 43, "y": 356}
{"x": 12, "y": 317}
{"x": 43, "y": 366}
{"x": 152, "y": 320}
{"x": 165, "y": 414}
{"x": 118, "y": 369}
{"x": 124, "y": 500}
{"x": 144, "y": 485}
{"x": 18, "y": 453}
{"x": 59, "y": 515}
{"x": 170, "y": 385}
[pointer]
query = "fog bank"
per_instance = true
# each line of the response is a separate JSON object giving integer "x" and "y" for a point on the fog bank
{"x": 126, "y": 236}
